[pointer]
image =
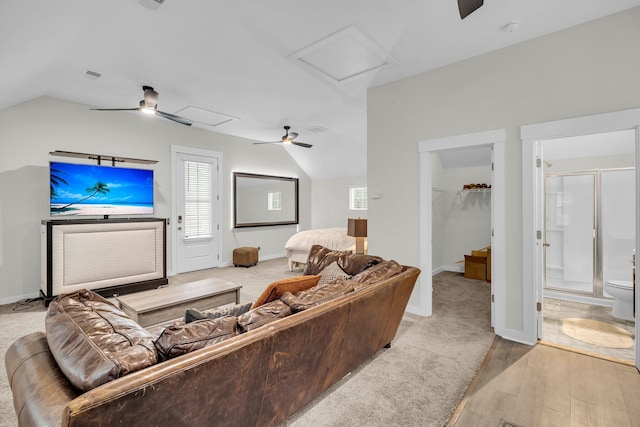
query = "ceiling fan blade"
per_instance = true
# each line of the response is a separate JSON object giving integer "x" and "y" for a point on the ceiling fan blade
{"x": 268, "y": 142}
{"x": 175, "y": 118}
{"x": 116, "y": 109}
{"x": 467, "y": 7}
{"x": 301, "y": 144}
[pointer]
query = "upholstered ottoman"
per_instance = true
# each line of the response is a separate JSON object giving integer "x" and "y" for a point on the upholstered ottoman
{"x": 245, "y": 256}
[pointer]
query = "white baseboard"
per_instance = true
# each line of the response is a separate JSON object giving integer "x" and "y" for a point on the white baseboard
{"x": 414, "y": 309}
{"x": 452, "y": 268}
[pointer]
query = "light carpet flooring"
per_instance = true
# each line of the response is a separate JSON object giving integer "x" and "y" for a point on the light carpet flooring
{"x": 419, "y": 381}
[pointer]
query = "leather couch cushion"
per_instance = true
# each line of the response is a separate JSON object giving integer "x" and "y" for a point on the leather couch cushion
{"x": 318, "y": 294}
{"x": 292, "y": 284}
{"x": 93, "y": 341}
{"x": 320, "y": 257}
{"x": 192, "y": 314}
{"x": 376, "y": 273}
{"x": 179, "y": 339}
{"x": 262, "y": 315}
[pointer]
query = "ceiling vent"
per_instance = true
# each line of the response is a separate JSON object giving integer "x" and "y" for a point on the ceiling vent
{"x": 92, "y": 74}
{"x": 317, "y": 129}
{"x": 343, "y": 56}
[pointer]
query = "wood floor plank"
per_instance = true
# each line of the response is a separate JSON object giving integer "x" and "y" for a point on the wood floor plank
{"x": 583, "y": 414}
{"x": 583, "y": 386}
{"x": 557, "y": 395}
{"x": 629, "y": 380}
{"x": 547, "y": 386}
{"x": 612, "y": 409}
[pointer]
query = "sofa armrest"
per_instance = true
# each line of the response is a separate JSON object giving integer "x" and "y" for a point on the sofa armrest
{"x": 40, "y": 389}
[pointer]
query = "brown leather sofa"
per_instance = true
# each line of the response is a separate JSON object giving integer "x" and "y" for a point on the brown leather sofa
{"x": 257, "y": 378}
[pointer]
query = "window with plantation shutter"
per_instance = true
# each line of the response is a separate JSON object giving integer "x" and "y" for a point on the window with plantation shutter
{"x": 197, "y": 199}
{"x": 358, "y": 198}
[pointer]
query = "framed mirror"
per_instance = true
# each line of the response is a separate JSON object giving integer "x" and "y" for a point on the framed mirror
{"x": 261, "y": 200}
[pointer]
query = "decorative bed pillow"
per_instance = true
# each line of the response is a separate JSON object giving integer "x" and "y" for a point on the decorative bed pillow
{"x": 292, "y": 284}
{"x": 376, "y": 273}
{"x": 318, "y": 295}
{"x": 192, "y": 314}
{"x": 179, "y": 339}
{"x": 262, "y": 315}
{"x": 331, "y": 273}
{"x": 93, "y": 341}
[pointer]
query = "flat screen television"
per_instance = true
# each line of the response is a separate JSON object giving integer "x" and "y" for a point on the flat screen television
{"x": 81, "y": 189}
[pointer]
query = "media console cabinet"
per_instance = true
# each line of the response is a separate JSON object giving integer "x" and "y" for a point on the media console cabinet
{"x": 108, "y": 256}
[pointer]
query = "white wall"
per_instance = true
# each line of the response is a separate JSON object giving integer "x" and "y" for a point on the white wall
{"x": 588, "y": 69}
{"x": 465, "y": 216}
{"x": 29, "y": 131}
{"x": 330, "y": 201}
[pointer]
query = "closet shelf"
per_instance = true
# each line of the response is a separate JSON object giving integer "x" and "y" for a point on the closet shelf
{"x": 451, "y": 190}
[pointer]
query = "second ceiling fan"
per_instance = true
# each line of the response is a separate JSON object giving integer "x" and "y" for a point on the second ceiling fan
{"x": 288, "y": 138}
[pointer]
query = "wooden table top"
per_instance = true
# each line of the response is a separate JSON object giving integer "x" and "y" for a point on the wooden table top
{"x": 174, "y": 294}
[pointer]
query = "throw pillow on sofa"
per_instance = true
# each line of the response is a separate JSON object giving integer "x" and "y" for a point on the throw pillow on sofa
{"x": 93, "y": 341}
{"x": 292, "y": 284}
{"x": 179, "y": 339}
{"x": 331, "y": 273}
{"x": 376, "y": 273}
{"x": 320, "y": 257}
{"x": 192, "y": 314}
{"x": 317, "y": 295}
{"x": 262, "y": 315}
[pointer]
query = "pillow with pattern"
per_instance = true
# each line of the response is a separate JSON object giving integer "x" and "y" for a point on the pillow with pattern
{"x": 331, "y": 273}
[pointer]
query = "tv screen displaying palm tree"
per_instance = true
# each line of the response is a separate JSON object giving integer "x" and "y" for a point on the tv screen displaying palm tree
{"x": 78, "y": 189}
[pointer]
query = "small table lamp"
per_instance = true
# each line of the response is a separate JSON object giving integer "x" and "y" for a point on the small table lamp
{"x": 357, "y": 227}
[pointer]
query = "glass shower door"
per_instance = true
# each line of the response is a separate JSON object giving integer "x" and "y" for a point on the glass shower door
{"x": 570, "y": 232}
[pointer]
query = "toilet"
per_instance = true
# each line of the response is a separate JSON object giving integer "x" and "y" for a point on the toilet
{"x": 622, "y": 291}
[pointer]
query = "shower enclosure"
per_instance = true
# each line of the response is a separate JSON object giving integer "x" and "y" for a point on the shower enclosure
{"x": 589, "y": 231}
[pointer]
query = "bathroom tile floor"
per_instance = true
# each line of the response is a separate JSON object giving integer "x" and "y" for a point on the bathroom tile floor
{"x": 555, "y": 311}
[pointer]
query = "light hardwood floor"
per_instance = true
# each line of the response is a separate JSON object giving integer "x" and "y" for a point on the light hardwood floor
{"x": 530, "y": 386}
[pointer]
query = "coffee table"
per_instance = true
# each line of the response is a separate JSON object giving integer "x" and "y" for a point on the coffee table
{"x": 170, "y": 302}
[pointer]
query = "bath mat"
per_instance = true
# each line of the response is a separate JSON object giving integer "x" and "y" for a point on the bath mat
{"x": 597, "y": 333}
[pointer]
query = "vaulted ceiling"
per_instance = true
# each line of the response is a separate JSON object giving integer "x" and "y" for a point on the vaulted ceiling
{"x": 247, "y": 68}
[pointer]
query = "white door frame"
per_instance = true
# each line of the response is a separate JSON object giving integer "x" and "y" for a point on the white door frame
{"x": 496, "y": 139}
{"x": 175, "y": 150}
{"x": 531, "y": 136}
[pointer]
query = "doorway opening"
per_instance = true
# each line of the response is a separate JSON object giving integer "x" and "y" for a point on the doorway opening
{"x": 589, "y": 242}
{"x": 493, "y": 142}
{"x": 533, "y": 207}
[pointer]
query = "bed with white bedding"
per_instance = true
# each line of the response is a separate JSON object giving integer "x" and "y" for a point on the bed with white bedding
{"x": 298, "y": 246}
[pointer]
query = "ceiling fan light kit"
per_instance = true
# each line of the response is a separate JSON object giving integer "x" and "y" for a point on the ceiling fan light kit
{"x": 149, "y": 105}
{"x": 287, "y": 138}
